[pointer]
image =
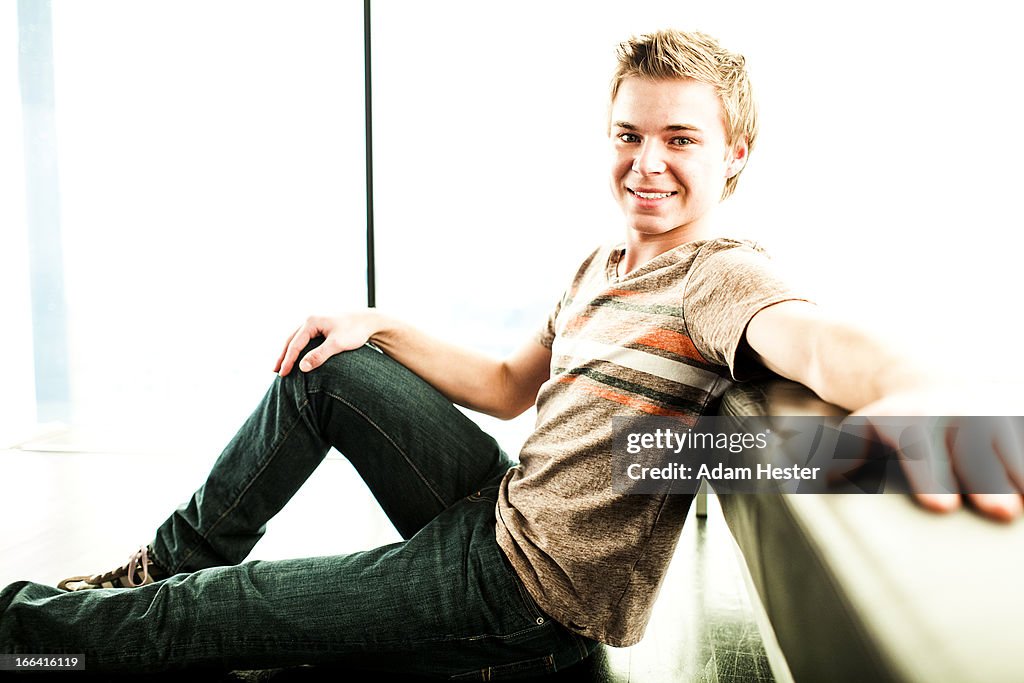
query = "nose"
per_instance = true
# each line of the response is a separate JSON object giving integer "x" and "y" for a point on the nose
{"x": 649, "y": 159}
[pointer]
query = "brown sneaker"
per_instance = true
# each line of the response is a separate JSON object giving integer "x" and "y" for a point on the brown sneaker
{"x": 138, "y": 571}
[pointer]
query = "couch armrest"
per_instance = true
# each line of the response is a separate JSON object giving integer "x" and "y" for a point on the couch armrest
{"x": 872, "y": 587}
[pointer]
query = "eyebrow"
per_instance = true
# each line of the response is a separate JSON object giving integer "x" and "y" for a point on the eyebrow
{"x": 675, "y": 126}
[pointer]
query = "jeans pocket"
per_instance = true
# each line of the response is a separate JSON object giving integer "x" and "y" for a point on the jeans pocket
{"x": 526, "y": 668}
{"x": 526, "y": 604}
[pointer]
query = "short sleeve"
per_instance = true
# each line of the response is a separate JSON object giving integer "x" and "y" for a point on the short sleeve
{"x": 729, "y": 282}
{"x": 546, "y": 334}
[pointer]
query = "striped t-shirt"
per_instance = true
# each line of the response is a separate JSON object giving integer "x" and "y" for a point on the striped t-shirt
{"x": 662, "y": 340}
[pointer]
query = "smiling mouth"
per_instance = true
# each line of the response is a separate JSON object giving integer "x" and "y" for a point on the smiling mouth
{"x": 650, "y": 195}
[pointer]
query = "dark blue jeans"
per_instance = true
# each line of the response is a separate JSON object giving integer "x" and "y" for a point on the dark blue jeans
{"x": 445, "y": 601}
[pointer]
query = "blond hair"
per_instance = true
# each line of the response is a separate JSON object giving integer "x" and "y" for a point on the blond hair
{"x": 670, "y": 54}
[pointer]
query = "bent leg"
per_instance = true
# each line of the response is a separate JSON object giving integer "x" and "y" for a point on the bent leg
{"x": 417, "y": 453}
{"x": 446, "y": 602}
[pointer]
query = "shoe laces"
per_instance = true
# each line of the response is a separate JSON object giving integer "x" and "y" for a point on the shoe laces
{"x": 139, "y": 562}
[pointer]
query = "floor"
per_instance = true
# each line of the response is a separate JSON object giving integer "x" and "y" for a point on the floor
{"x": 65, "y": 512}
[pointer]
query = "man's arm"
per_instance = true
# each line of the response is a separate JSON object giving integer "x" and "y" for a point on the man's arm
{"x": 501, "y": 388}
{"x": 850, "y": 368}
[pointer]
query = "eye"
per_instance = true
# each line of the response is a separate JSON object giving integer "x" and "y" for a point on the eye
{"x": 629, "y": 137}
{"x": 681, "y": 141}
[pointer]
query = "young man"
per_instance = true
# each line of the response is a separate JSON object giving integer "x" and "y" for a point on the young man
{"x": 506, "y": 570}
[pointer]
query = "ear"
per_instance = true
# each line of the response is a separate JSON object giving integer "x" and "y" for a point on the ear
{"x": 737, "y": 158}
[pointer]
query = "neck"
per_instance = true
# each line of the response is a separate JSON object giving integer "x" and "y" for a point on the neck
{"x": 642, "y": 247}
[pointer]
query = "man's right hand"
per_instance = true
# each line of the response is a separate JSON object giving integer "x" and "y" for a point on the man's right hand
{"x": 341, "y": 333}
{"x": 502, "y": 388}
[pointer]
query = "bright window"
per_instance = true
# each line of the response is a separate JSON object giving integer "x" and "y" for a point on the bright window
{"x": 211, "y": 185}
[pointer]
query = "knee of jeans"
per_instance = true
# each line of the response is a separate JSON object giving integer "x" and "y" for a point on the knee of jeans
{"x": 356, "y": 376}
{"x": 352, "y": 368}
{"x": 9, "y": 593}
{"x": 16, "y": 602}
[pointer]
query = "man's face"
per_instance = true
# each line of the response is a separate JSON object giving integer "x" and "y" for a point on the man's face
{"x": 670, "y": 159}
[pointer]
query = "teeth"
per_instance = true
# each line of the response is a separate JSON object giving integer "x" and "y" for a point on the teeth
{"x": 652, "y": 195}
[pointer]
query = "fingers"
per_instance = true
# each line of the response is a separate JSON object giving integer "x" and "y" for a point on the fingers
{"x": 340, "y": 334}
{"x": 316, "y": 357}
{"x": 986, "y": 454}
{"x": 922, "y": 458}
{"x": 938, "y": 502}
{"x": 308, "y": 331}
{"x": 284, "y": 352}
{"x": 981, "y": 456}
{"x": 1004, "y": 507}
{"x": 925, "y": 462}
{"x": 1009, "y": 444}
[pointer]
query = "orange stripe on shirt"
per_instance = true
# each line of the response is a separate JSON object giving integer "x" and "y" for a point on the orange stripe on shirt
{"x": 573, "y": 325}
{"x": 668, "y": 340}
{"x": 630, "y": 401}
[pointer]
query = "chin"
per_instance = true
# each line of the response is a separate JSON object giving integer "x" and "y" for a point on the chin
{"x": 652, "y": 228}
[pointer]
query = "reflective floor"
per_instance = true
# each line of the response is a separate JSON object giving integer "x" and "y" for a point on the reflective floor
{"x": 58, "y": 509}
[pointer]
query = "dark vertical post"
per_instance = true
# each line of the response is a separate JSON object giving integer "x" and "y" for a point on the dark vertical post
{"x": 371, "y": 270}
{"x": 42, "y": 210}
